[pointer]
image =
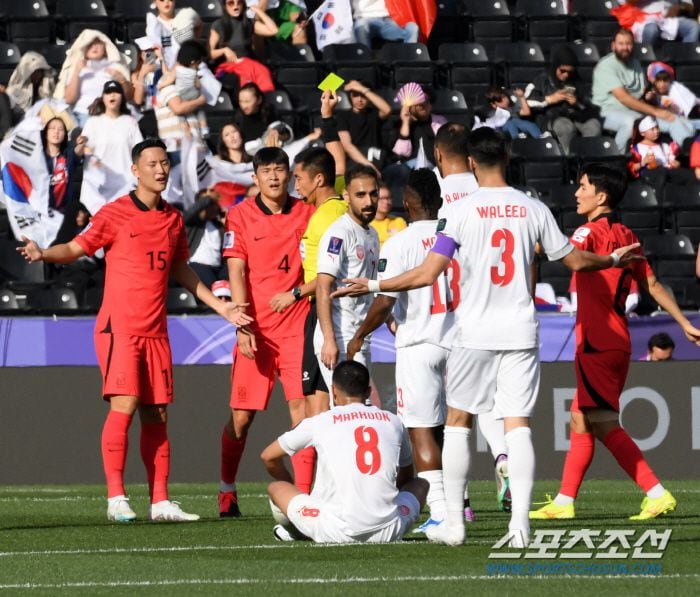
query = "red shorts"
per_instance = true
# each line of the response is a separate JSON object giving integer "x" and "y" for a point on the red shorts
{"x": 252, "y": 379}
{"x": 135, "y": 366}
{"x": 600, "y": 377}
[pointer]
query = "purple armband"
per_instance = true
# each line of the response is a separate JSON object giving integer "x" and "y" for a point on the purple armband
{"x": 445, "y": 246}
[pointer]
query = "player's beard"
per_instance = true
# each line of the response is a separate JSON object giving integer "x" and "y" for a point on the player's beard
{"x": 365, "y": 216}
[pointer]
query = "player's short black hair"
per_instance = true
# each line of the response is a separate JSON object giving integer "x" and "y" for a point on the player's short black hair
{"x": 607, "y": 179}
{"x": 487, "y": 147}
{"x": 270, "y": 155}
{"x": 352, "y": 378}
{"x": 360, "y": 171}
{"x": 317, "y": 160}
{"x": 451, "y": 138}
{"x": 661, "y": 340}
{"x": 426, "y": 187}
{"x": 139, "y": 148}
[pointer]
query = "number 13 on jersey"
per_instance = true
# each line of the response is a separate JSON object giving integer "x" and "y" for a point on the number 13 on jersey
{"x": 451, "y": 292}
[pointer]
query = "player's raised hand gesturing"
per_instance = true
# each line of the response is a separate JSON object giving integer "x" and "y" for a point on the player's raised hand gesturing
{"x": 30, "y": 251}
{"x": 627, "y": 255}
{"x": 354, "y": 287}
{"x": 234, "y": 313}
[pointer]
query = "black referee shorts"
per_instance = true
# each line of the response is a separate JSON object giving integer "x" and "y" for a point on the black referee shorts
{"x": 311, "y": 378}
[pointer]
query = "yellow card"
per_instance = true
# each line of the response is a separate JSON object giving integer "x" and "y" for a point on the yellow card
{"x": 331, "y": 83}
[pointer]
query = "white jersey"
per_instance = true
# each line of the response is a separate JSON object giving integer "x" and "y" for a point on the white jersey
{"x": 454, "y": 188}
{"x": 347, "y": 250}
{"x": 496, "y": 238}
{"x": 423, "y": 315}
{"x": 360, "y": 449}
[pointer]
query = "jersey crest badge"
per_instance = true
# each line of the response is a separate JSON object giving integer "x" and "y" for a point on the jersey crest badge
{"x": 228, "y": 240}
{"x": 442, "y": 222}
{"x": 381, "y": 265}
{"x": 334, "y": 245}
{"x": 580, "y": 234}
{"x": 360, "y": 252}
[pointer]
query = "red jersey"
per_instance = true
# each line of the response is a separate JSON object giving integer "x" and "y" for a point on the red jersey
{"x": 140, "y": 246}
{"x": 269, "y": 245}
{"x": 601, "y": 323}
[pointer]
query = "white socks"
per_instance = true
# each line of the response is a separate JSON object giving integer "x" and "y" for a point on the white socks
{"x": 225, "y": 487}
{"x": 456, "y": 460}
{"x": 521, "y": 471}
{"x": 656, "y": 492}
{"x": 492, "y": 430}
{"x": 563, "y": 500}
{"x": 436, "y": 494}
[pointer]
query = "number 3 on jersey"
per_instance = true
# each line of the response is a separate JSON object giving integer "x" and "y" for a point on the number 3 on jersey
{"x": 502, "y": 274}
{"x": 451, "y": 275}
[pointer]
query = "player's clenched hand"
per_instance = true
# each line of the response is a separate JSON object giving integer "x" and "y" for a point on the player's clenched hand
{"x": 281, "y": 301}
{"x": 329, "y": 353}
{"x": 30, "y": 251}
{"x": 692, "y": 333}
{"x": 354, "y": 346}
{"x": 234, "y": 313}
{"x": 353, "y": 287}
{"x": 246, "y": 343}
{"x": 628, "y": 254}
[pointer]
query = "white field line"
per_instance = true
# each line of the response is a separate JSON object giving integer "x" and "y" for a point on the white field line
{"x": 316, "y": 581}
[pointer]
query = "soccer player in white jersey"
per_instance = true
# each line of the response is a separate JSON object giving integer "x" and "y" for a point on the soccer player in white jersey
{"x": 364, "y": 490}
{"x": 348, "y": 249}
{"x": 457, "y": 182}
{"x": 494, "y": 361}
{"x": 424, "y": 323}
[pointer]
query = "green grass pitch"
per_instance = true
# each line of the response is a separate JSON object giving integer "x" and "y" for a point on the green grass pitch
{"x": 57, "y": 541}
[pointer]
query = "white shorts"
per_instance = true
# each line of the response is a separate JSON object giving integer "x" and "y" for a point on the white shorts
{"x": 420, "y": 385}
{"x": 505, "y": 381}
{"x": 310, "y": 516}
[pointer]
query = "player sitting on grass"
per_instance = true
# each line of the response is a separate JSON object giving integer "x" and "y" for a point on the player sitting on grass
{"x": 603, "y": 349}
{"x": 364, "y": 490}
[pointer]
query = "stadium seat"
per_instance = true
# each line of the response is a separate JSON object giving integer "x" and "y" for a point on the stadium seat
{"x": 208, "y": 10}
{"x": 352, "y": 62}
{"x": 644, "y": 53}
{"x": 520, "y": 62}
{"x": 53, "y": 300}
{"x": 588, "y": 150}
{"x": 538, "y": 163}
{"x": 93, "y": 299}
{"x": 588, "y": 56}
{"x": 131, "y": 51}
{"x": 446, "y": 27}
{"x": 220, "y": 113}
{"x": 9, "y": 59}
{"x": 27, "y": 20}
{"x": 489, "y": 22}
{"x": 131, "y": 16}
{"x": 561, "y": 199}
{"x": 407, "y": 62}
{"x": 294, "y": 69}
{"x": 556, "y": 274}
{"x": 640, "y": 210}
{"x": 468, "y": 70}
{"x": 684, "y": 203}
{"x": 180, "y": 300}
{"x": 685, "y": 57}
{"x": 8, "y": 302}
{"x": 673, "y": 259}
{"x": 594, "y": 23}
{"x": 546, "y": 23}
{"x": 15, "y": 270}
{"x": 55, "y": 54}
{"x": 449, "y": 101}
{"x": 76, "y": 15}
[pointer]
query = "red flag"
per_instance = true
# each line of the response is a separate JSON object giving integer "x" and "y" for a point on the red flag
{"x": 421, "y": 12}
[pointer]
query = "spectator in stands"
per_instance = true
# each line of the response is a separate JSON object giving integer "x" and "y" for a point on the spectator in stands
{"x": 372, "y": 20}
{"x": 291, "y": 20}
{"x": 505, "y": 114}
{"x": 204, "y": 225}
{"x": 254, "y": 114}
{"x": 62, "y": 158}
{"x": 384, "y": 223}
{"x": 91, "y": 62}
{"x": 144, "y": 80}
{"x": 559, "y": 102}
{"x": 618, "y": 87}
{"x": 172, "y": 27}
{"x": 221, "y": 289}
{"x": 417, "y": 123}
{"x": 231, "y": 149}
{"x": 667, "y": 19}
{"x": 280, "y": 134}
{"x": 230, "y": 40}
{"x": 360, "y": 129}
{"x": 668, "y": 93}
{"x": 660, "y": 347}
{"x": 695, "y": 159}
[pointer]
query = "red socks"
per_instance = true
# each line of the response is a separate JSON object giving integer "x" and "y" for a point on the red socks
{"x": 630, "y": 458}
{"x": 303, "y": 464}
{"x": 115, "y": 440}
{"x": 231, "y": 454}
{"x": 155, "y": 453}
{"x": 578, "y": 459}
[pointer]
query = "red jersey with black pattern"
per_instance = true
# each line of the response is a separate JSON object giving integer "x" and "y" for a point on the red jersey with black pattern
{"x": 601, "y": 323}
{"x": 140, "y": 246}
{"x": 269, "y": 245}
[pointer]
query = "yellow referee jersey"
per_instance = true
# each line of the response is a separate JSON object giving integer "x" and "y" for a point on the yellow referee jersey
{"x": 322, "y": 218}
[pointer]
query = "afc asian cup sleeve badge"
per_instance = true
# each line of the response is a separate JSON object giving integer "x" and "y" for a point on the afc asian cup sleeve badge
{"x": 228, "y": 239}
{"x": 334, "y": 245}
{"x": 360, "y": 252}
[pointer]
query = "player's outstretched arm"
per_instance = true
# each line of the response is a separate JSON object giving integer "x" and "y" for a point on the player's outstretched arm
{"x": 423, "y": 275}
{"x": 379, "y": 312}
{"x": 63, "y": 253}
{"x": 273, "y": 459}
{"x": 232, "y": 312}
{"x": 668, "y": 303}
{"x": 585, "y": 261}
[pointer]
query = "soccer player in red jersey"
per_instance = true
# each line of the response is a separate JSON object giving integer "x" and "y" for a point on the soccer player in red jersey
{"x": 603, "y": 349}
{"x": 261, "y": 244}
{"x": 144, "y": 242}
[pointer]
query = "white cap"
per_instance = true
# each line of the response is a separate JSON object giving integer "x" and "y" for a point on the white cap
{"x": 647, "y": 123}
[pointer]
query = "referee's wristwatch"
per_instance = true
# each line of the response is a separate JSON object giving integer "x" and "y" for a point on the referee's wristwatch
{"x": 296, "y": 293}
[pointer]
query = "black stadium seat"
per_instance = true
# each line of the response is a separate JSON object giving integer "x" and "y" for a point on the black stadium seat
{"x": 468, "y": 69}
{"x": 640, "y": 210}
{"x": 76, "y": 15}
{"x": 180, "y": 300}
{"x": 27, "y": 21}
{"x": 53, "y": 300}
{"x": 594, "y": 23}
{"x": 352, "y": 62}
{"x": 685, "y": 57}
{"x": 489, "y": 22}
{"x": 673, "y": 259}
{"x": 588, "y": 150}
{"x": 546, "y": 23}
{"x": 407, "y": 62}
{"x": 208, "y": 10}
{"x": 131, "y": 15}
{"x": 520, "y": 62}
{"x": 539, "y": 163}
{"x": 9, "y": 59}
{"x": 684, "y": 203}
